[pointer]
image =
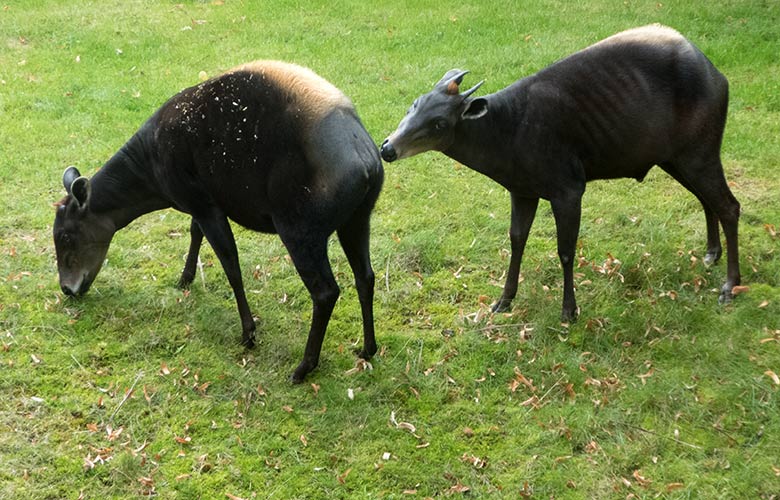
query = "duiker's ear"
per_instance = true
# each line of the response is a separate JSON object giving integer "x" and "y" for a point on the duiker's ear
{"x": 71, "y": 174}
{"x": 453, "y": 76}
{"x": 80, "y": 189}
{"x": 475, "y": 108}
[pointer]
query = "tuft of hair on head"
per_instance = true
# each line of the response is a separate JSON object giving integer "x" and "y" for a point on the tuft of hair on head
{"x": 61, "y": 203}
{"x": 452, "y": 88}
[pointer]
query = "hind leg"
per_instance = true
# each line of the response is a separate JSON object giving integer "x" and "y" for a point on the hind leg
{"x": 707, "y": 181}
{"x": 309, "y": 253}
{"x": 354, "y": 239}
{"x": 714, "y": 249}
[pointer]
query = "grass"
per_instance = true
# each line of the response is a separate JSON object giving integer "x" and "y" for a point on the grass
{"x": 140, "y": 389}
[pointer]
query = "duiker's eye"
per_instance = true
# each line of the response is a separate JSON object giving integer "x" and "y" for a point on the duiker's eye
{"x": 440, "y": 125}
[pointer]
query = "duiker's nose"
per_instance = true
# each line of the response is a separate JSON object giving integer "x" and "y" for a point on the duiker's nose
{"x": 68, "y": 290}
{"x": 388, "y": 152}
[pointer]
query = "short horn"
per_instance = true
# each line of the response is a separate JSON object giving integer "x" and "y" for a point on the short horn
{"x": 472, "y": 89}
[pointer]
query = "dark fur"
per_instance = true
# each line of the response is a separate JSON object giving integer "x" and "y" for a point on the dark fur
{"x": 642, "y": 98}
{"x": 245, "y": 147}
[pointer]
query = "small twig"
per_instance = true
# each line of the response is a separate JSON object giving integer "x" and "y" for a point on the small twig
{"x": 127, "y": 394}
{"x": 648, "y": 431}
{"x": 387, "y": 274}
{"x": 77, "y": 361}
{"x": 539, "y": 401}
{"x": 493, "y": 327}
{"x": 202, "y": 274}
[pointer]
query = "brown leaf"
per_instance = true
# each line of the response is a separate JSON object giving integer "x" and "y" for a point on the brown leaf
{"x": 640, "y": 479}
{"x": 343, "y": 477}
{"x": 532, "y": 401}
{"x": 360, "y": 365}
{"x": 287, "y": 408}
{"x": 458, "y": 488}
{"x": 646, "y": 375}
{"x": 674, "y": 486}
{"x": 233, "y": 497}
{"x": 304, "y": 440}
{"x": 112, "y": 434}
{"x": 316, "y": 388}
{"x": 479, "y": 463}
{"x": 763, "y": 304}
{"x": 739, "y": 289}
{"x": 146, "y": 481}
{"x": 773, "y": 376}
{"x": 407, "y": 426}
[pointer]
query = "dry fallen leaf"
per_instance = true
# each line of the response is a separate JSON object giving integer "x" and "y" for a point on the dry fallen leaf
{"x": 479, "y": 463}
{"x": 773, "y": 376}
{"x": 360, "y": 365}
{"x": 457, "y": 488}
{"x": 343, "y": 477}
{"x": 406, "y": 426}
{"x": 739, "y": 289}
{"x": 646, "y": 375}
{"x": 642, "y": 480}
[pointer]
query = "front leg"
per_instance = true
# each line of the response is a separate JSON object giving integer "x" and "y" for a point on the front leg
{"x": 523, "y": 213}
{"x": 196, "y": 239}
{"x": 217, "y": 230}
{"x": 566, "y": 210}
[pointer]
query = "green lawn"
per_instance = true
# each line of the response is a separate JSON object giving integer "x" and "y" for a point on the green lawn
{"x": 141, "y": 389}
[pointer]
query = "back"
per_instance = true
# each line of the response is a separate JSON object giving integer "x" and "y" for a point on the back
{"x": 242, "y": 138}
{"x": 631, "y": 101}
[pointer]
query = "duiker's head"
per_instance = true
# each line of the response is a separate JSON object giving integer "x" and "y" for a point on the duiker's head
{"x": 430, "y": 123}
{"x": 81, "y": 238}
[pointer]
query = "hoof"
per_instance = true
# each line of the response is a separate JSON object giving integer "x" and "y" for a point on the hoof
{"x": 503, "y": 305}
{"x": 725, "y": 297}
{"x": 569, "y": 316}
{"x": 364, "y": 353}
{"x": 711, "y": 258}
{"x": 248, "y": 341}
{"x": 186, "y": 280}
{"x": 300, "y": 373}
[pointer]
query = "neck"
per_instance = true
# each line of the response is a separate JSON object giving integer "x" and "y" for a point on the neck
{"x": 484, "y": 144}
{"x": 124, "y": 189}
